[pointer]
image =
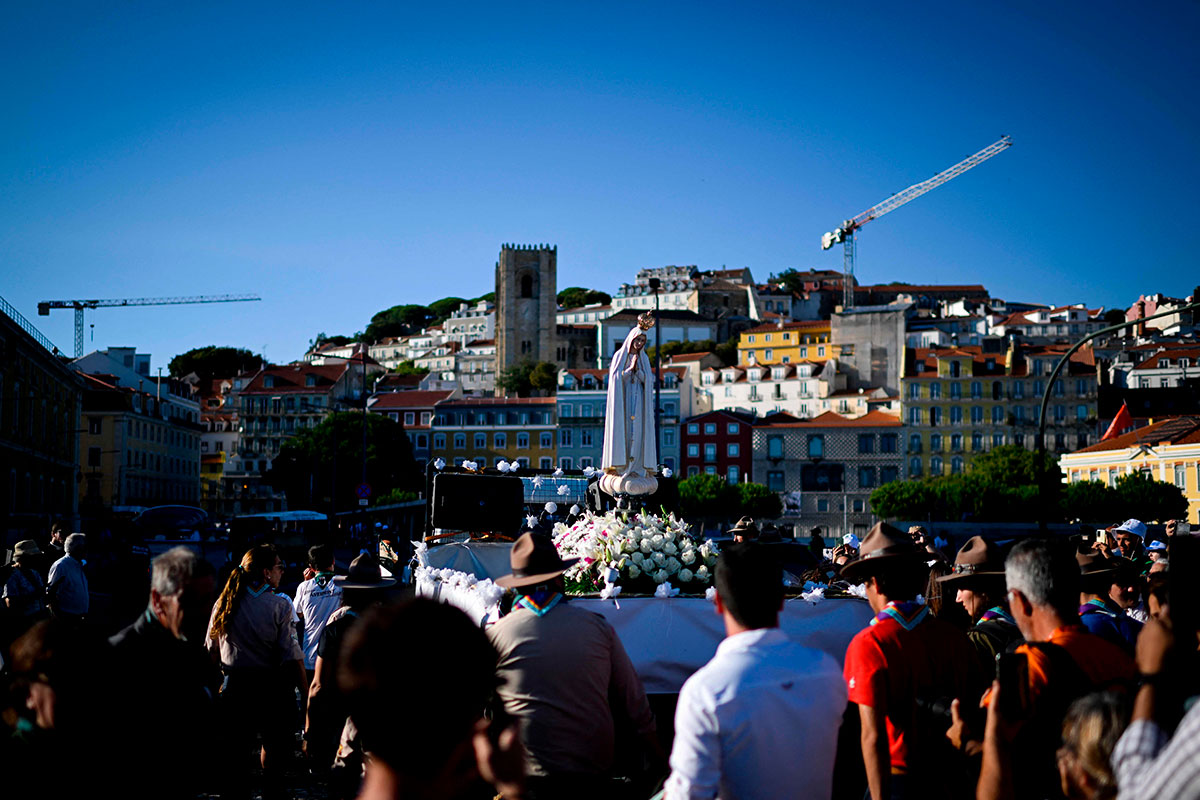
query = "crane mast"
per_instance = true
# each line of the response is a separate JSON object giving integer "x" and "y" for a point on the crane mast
{"x": 45, "y": 306}
{"x": 845, "y": 233}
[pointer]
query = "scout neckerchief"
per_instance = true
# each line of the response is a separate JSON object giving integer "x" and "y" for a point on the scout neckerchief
{"x": 997, "y": 612}
{"x": 539, "y": 602}
{"x": 1097, "y": 606}
{"x": 256, "y": 592}
{"x": 323, "y": 578}
{"x": 909, "y": 614}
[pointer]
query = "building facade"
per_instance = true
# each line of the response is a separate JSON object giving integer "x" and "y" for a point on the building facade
{"x": 39, "y": 419}
{"x": 413, "y": 410}
{"x": 1168, "y": 450}
{"x": 717, "y": 443}
{"x": 827, "y": 467}
{"x": 526, "y": 304}
{"x": 786, "y": 343}
{"x": 488, "y": 430}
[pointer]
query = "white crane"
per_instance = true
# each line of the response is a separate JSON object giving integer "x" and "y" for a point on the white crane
{"x": 845, "y": 234}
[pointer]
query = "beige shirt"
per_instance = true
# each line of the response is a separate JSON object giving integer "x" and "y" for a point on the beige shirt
{"x": 261, "y": 633}
{"x": 557, "y": 676}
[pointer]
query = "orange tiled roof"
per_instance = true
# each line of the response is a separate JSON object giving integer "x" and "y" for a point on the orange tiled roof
{"x": 1173, "y": 430}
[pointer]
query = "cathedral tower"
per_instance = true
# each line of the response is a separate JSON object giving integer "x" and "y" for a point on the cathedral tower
{"x": 526, "y": 305}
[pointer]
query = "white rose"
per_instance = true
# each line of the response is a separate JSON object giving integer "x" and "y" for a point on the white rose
{"x": 670, "y": 549}
{"x": 661, "y": 576}
{"x": 634, "y": 571}
{"x": 637, "y": 556}
{"x": 645, "y": 546}
{"x": 657, "y": 541}
{"x": 660, "y": 558}
{"x": 688, "y": 556}
{"x": 629, "y": 546}
{"x": 669, "y": 535}
{"x": 702, "y": 572}
{"x": 673, "y": 565}
{"x": 685, "y": 575}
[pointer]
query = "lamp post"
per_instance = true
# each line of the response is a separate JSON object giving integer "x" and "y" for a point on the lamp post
{"x": 655, "y": 283}
{"x": 1062, "y": 362}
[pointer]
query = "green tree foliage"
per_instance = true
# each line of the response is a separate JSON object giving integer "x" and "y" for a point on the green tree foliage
{"x": 1001, "y": 486}
{"x": 1090, "y": 501}
{"x": 213, "y": 362}
{"x": 408, "y": 368}
{"x": 727, "y": 352}
{"x": 1147, "y": 499}
{"x": 681, "y": 348}
{"x": 441, "y": 308}
{"x": 576, "y": 296}
{"x": 789, "y": 279}
{"x": 524, "y": 377}
{"x": 398, "y": 321}
{"x": 396, "y": 496}
{"x": 490, "y": 297}
{"x": 759, "y": 502}
{"x": 322, "y": 462}
{"x": 324, "y": 338}
{"x": 708, "y": 497}
{"x": 544, "y": 376}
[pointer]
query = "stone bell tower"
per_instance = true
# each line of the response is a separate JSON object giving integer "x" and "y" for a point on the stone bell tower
{"x": 526, "y": 305}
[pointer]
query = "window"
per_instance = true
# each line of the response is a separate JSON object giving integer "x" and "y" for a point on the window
{"x": 914, "y": 443}
{"x": 1060, "y": 441}
{"x": 564, "y": 437}
{"x": 94, "y": 425}
{"x": 731, "y": 474}
{"x": 1038, "y": 388}
{"x": 956, "y": 441}
{"x": 460, "y": 441}
{"x": 866, "y": 477}
{"x": 1019, "y": 439}
{"x": 914, "y": 416}
{"x": 522, "y": 441}
{"x": 585, "y": 437}
{"x": 93, "y": 456}
{"x": 976, "y": 442}
{"x": 866, "y": 443}
{"x": 693, "y": 470}
{"x": 1059, "y": 389}
{"x": 732, "y": 429}
{"x": 423, "y": 441}
{"x": 956, "y": 415}
{"x": 935, "y": 391}
{"x": 914, "y": 467}
{"x": 935, "y": 416}
{"x": 1081, "y": 413}
{"x": 888, "y": 474}
{"x": 480, "y": 441}
{"x": 820, "y": 352}
{"x": 997, "y": 415}
{"x": 586, "y": 462}
{"x": 775, "y": 481}
{"x": 1060, "y": 414}
{"x": 768, "y": 355}
{"x": 546, "y": 440}
{"x": 997, "y": 439}
{"x": 733, "y": 450}
{"x": 935, "y": 465}
{"x": 816, "y": 446}
{"x": 565, "y": 462}
{"x": 976, "y": 415}
{"x": 1181, "y": 476}
{"x": 564, "y": 410}
{"x": 668, "y": 437}
{"x": 955, "y": 390}
{"x": 859, "y": 506}
{"x": 545, "y": 462}
{"x": 822, "y": 504}
{"x": 976, "y": 390}
{"x": 956, "y": 465}
{"x": 410, "y": 417}
{"x": 439, "y": 441}
{"x": 997, "y": 390}
{"x": 710, "y": 452}
{"x": 426, "y": 416}
{"x": 693, "y": 450}
{"x": 935, "y": 442}
{"x": 710, "y": 470}
{"x": 710, "y": 428}
{"x": 774, "y": 447}
{"x": 888, "y": 442}
{"x": 914, "y": 391}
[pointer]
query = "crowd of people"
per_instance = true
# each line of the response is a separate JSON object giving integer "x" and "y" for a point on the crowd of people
{"x": 1034, "y": 668}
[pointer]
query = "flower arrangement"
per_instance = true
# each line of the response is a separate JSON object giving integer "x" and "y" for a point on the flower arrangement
{"x": 645, "y": 550}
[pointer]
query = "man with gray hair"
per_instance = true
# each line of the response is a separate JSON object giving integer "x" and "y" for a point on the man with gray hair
{"x": 162, "y": 671}
{"x": 67, "y": 585}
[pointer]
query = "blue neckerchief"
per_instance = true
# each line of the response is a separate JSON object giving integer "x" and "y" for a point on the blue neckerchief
{"x": 531, "y": 602}
{"x": 1097, "y": 606}
{"x": 997, "y": 612}
{"x": 259, "y": 590}
{"x": 909, "y": 614}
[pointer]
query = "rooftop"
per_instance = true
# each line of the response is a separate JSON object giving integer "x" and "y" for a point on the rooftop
{"x": 403, "y": 400}
{"x": 1173, "y": 430}
{"x": 830, "y": 419}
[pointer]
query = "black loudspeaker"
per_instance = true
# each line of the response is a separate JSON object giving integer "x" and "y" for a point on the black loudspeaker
{"x": 665, "y": 500}
{"x": 478, "y": 503}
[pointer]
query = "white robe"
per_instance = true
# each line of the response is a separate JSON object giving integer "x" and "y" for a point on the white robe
{"x": 629, "y": 440}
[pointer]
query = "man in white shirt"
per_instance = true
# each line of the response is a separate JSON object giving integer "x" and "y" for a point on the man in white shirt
{"x": 67, "y": 585}
{"x": 316, "y": 599}
{"x": 761, "y": 718}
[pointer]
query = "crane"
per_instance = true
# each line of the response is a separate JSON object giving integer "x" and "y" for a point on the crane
{"x": 845, "y": 234}
{"x": 79, "y": 305}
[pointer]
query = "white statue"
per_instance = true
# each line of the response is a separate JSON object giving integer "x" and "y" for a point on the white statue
{"x": 630, "y": 454}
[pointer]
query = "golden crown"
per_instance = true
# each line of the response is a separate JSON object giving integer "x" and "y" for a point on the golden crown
{"x": 646, "y": 321}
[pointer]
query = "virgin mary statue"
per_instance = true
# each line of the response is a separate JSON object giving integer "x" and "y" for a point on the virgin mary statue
{"x": 629, "y": 440}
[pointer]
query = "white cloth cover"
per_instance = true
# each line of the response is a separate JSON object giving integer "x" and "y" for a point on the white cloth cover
{"x": 629, "y": 442}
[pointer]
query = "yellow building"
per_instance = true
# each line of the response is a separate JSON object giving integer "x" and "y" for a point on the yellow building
{"x": 487, "y": 430}
{"x": 1167, "y": 450}
{"x": 959, "y": 402}
{"x": 786, "y": 343}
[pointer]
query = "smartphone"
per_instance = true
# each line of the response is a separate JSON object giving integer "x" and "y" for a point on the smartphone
{"x": 1012, "y": 671}
{"x": 827, "y": 552}
{"x": 1183, "y": 528}
{"x": 1101, "y": 536}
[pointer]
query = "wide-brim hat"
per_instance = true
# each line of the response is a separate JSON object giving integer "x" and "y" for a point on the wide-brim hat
{"x": 1096, "y": 573}
{"x": 364, "y": 573}
{"x": 1134, "y": 526}
{"x": 534, "y": 559}
{"x": 885, "y": 544}
{"x": 26, "y": 547}
{"x": 744, "y": 527}
{"x": 977, "y": 562}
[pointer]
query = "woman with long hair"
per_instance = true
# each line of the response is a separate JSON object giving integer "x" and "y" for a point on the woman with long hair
{"x": 251, "y": 629}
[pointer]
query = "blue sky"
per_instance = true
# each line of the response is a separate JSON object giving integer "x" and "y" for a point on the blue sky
{"x": 341, "y": 158}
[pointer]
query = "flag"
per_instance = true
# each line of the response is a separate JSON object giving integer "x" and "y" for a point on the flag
{"x": 1120, "y": 422}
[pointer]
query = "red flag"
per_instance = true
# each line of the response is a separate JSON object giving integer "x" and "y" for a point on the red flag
{"x": 1120, "y": 422}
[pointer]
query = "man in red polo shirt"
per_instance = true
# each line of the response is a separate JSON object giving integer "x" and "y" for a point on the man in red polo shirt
{"x": 900, "y": 666}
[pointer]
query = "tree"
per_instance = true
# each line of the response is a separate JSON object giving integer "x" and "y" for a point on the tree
{"x": 576, "y": 296}
{"x": 680, "y": 348}
{"x": 396, "y": 496}
{"x": 727, "y": 352}
{"x": 324, "y": 463}
{"x": 902, "y": 500}
{"x": 398, "y": 321}
{"x": 1090, "y": 501}
{"x": 515, "y": 379}
{"x": 789, "y": 279}
{"x": 441, "y": 308}
{"x": 213, "y": 362}
{"x": 708, "y": 496}
{"x": 1144, "y": 498}
{"x": 759, "y": 502}
{"x": 544, "y": 376}
{"x": 489, "y": 297}
{"x": 323, "y": 338}
{"x": 408, "y": 368}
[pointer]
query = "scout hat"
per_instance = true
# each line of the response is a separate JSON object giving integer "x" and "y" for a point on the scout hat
{"x": 978, "y": 563}
{"x": 25, "y": 548}
{"x": 1096, "y": 573}
{"x": 534, "y": 560}
{"x": 745, "y": 527}
{"x": 884, "y": 544}
{"x": 364, "y": 573}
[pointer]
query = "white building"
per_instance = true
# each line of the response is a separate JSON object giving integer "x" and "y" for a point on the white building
{"x": 1157, "y": 367}
{"x": 471, "y": 322}
{"x": 673, "y": 326}
{"x": 1052, "y": 324}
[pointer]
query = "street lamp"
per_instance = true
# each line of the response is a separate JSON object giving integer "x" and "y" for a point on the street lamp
{"x": 655, "y": 283}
